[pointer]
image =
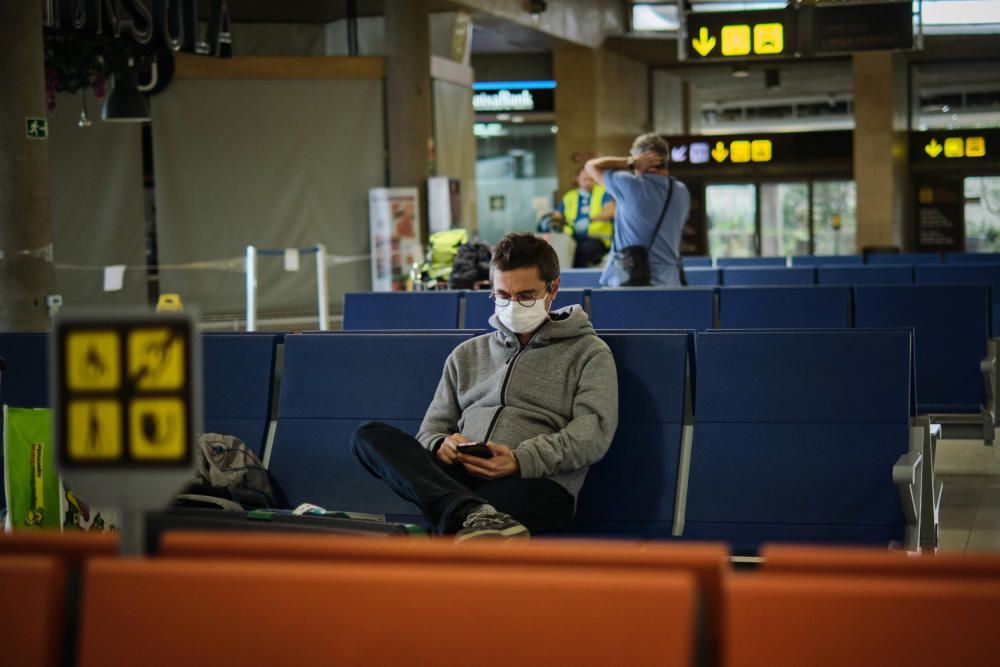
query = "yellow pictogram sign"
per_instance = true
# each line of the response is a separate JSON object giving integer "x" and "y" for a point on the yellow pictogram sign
{"x": 975, "y": 146}
{"x": 740, "y": 151}
{"x": 92, "y": 360}
{"x": 933, "y": 148}
{"x": 735, "y": 40}
{"x": 719, "y": 153}
{"x": 156, "y": 359}
{"x": 157, "y": 429}
{"x": 768, "y": 38}
{"x": 954, "y": 147}
{"x": 94, "y": 430}
{"x": 925, "y": 195}
{"x": 703, "y": 43}
{"x": 760, "y": 150}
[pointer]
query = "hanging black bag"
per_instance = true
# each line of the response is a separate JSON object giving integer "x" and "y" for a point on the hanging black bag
{"x": 630, "y": 265}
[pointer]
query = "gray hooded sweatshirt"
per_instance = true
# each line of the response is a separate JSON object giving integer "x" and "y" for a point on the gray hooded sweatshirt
{"x": 554, "y": 401}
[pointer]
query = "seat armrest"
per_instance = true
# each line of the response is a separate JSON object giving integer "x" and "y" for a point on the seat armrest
{"x": 907, "y": 468}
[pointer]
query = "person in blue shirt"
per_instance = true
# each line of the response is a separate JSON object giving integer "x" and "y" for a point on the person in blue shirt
{"x": 586, "y": 212}
{"x": 640, "y": 184}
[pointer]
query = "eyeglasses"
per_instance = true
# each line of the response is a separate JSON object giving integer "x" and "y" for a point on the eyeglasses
{"x": 525, "y": 301}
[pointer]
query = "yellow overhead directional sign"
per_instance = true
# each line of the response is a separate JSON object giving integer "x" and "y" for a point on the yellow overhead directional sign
{"x": 93, "y": 363}
{"x": 740, "y": 151}
{"x": 954, "y": 147}
{"x": 156, "y": 359}
{"x": 94, "y": 430}
{"x": 768, "y": 38}
{"x": 719, "y": 153}
{"x": 736, "y": 40}
{"x": 975, "y": 146}
{"x": 157, "y": 429}
{"x": 703, "y": 43}
{"x": 760, "y": 150}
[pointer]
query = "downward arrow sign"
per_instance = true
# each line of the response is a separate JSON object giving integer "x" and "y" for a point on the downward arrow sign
{"x": 719, "y": 152}
{"x": 934, "y": 148}
{"x": 703, "y": 43}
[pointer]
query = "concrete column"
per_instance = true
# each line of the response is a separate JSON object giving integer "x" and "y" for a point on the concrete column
{"x": 880, "y": 149}
{"x": 602, "y": 104}
{"x": 408, "y": 97}
{"x": 26, "y": 273}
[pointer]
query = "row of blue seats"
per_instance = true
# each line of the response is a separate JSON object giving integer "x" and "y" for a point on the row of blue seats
{"x": 779, "y": 453}
{"x": 472, "y": 310}
{"x": 952, "y": 322}
{"x": 821, "y": 275}
{"x": 875, "y": 259}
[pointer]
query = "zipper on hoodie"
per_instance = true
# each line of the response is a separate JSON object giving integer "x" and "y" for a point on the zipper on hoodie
{"x": 506, "y": 379}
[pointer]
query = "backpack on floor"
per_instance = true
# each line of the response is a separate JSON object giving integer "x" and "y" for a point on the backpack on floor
{"x": 229, "y": 475}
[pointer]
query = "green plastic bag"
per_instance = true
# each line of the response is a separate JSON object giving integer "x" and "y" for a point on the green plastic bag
{"x": 31, "y": 479}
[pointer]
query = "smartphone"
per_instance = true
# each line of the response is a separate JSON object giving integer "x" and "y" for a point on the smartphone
{"x": 475, "y": 449}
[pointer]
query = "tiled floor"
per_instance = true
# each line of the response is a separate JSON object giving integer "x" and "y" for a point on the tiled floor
{"x": 970, "y": 506}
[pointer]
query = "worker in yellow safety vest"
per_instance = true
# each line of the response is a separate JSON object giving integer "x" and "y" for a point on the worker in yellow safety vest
{"x": 587, "y": 213}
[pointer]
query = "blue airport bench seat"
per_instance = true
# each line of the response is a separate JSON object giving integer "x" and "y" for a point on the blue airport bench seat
{"x": 796, "y": 307}
{"x": 25, "y": 383}
{"x": 796, "y": 437}
{"x": 479, "y": 308}
{"x": 967, "y": 274}
{"x": 579, "y": 278}
{"x": 330, "y": 385}
{"x": 726, "y": 262}
{"x": 951, "y": 324}
{"x": 972, "y": 258}
{"x": 696, "y": 262}
{"x": 702, "y": 277}
{"x": 912, "y": 258}
{"x": 401, "y": 310}
{"x": 238, "y": 371}
{"x": 767, "y": 275}
{"x": 631, "y": 492}
{"x": 865, "y": 275}
{"x": 827, "y": 260}
{"x": 645, "y": 308}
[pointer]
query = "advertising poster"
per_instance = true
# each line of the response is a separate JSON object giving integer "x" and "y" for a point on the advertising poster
{"x": 32, "y": 481}
{"x": 35, "y": 494}
{"x": 394, "y": 216}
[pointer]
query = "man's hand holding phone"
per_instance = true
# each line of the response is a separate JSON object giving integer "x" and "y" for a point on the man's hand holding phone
{"x": 500, "y": 463}
{"x": 448, "y": 451}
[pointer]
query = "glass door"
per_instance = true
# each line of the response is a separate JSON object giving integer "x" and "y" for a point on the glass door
{"x": 784, "y": 219}
{"x": 982, "y": 214}
{"x": 834, "y": 212}
{"x": 732, "y": 220}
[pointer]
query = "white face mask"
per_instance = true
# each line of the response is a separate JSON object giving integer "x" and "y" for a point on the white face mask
{"x": 519, "y": 319}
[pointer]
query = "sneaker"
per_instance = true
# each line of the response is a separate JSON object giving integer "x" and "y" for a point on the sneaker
{"x": 496, "y": 525}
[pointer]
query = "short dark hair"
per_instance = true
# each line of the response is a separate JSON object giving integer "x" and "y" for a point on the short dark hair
{"x": 520, "y": 251}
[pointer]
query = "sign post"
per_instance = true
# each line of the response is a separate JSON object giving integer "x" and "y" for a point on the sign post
{"x": 126, "y": 399}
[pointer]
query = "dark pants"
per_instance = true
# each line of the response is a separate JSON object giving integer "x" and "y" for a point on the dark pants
{"x": 588, "y": 252}
{"x": 446, "y": 493}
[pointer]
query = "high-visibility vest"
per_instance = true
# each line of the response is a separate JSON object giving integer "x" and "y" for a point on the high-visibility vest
{"x": 596, "y": 229}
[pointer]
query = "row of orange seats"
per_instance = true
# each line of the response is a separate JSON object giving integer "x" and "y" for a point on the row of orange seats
{"x": 226, "y": 598}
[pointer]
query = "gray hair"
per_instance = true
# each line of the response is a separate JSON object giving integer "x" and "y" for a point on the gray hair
{"x": 651, "y": 142}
